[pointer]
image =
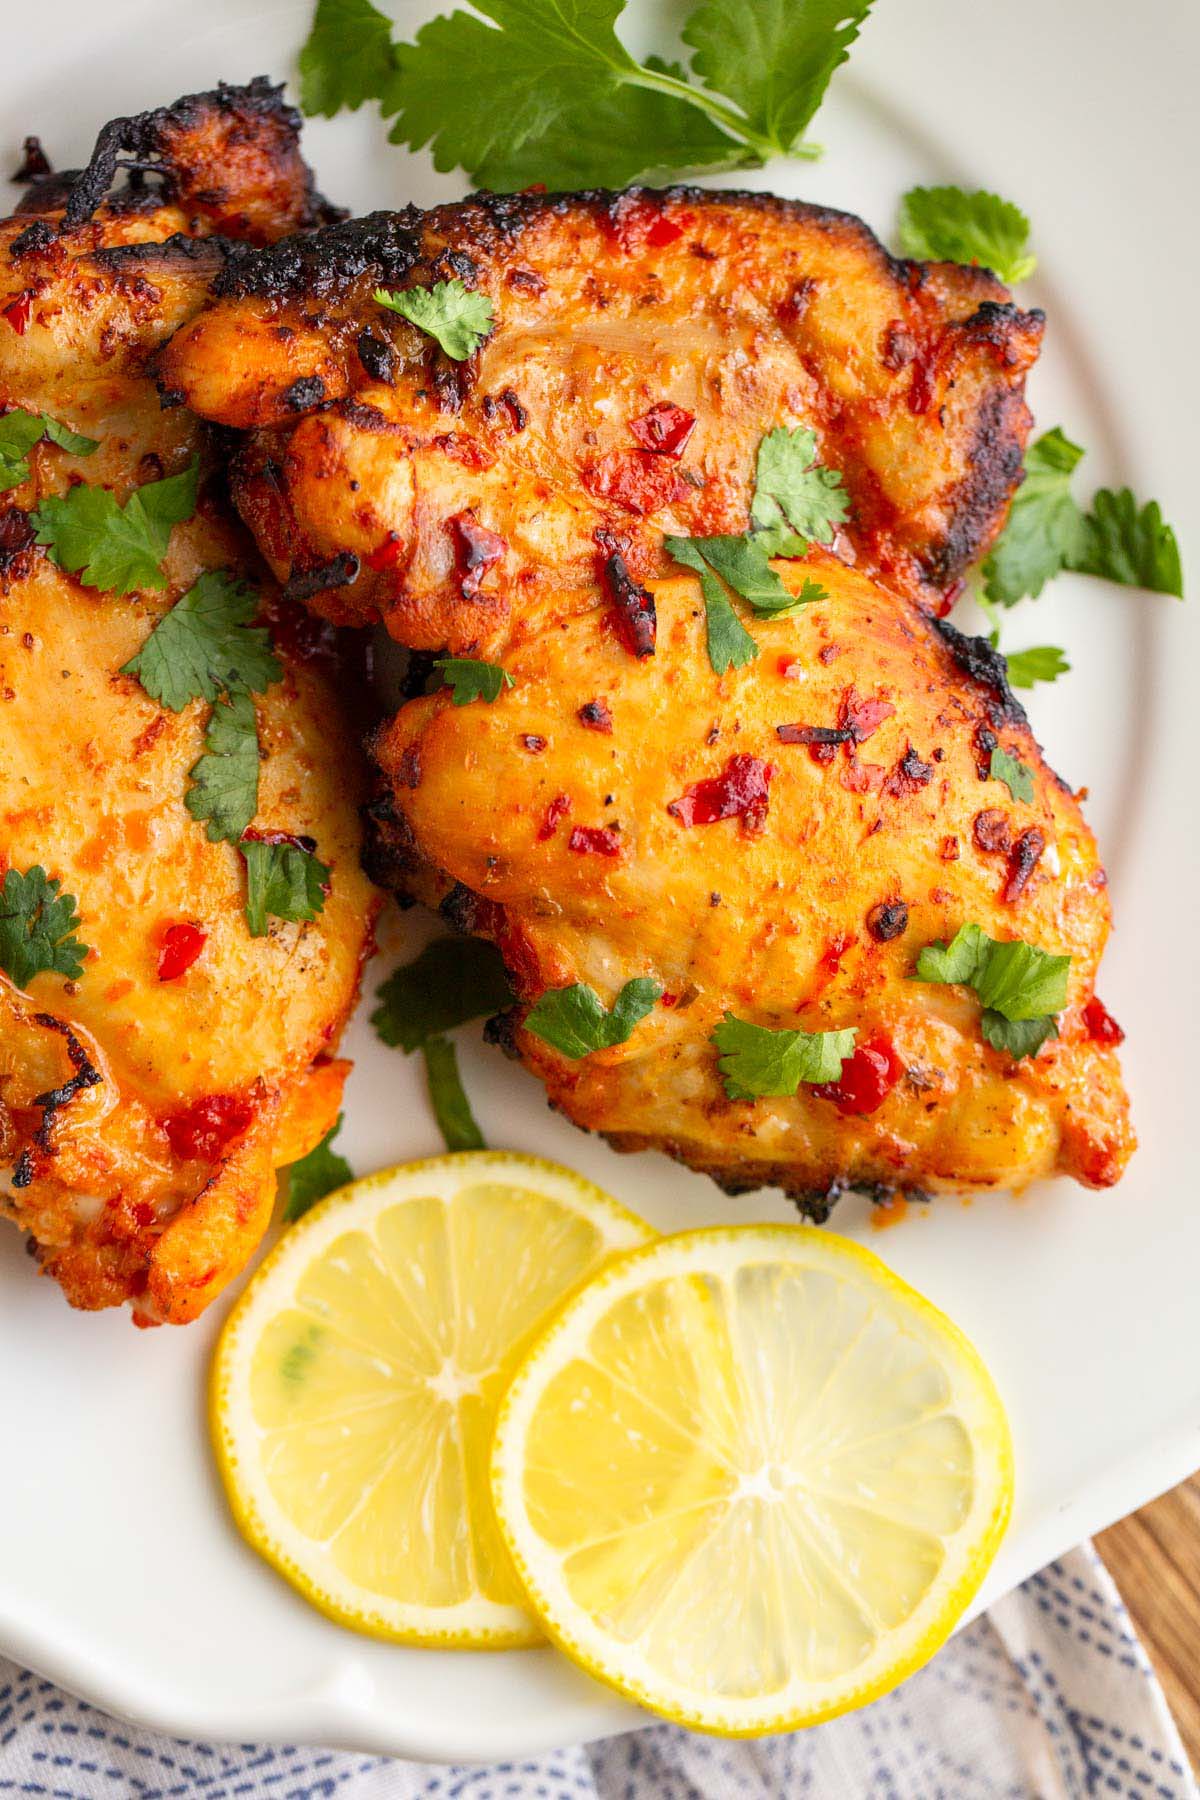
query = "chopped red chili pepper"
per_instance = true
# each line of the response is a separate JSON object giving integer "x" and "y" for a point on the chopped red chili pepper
{"x": 534, "y": 742}
{"x": 476, "y": 550}
{"x": 637, "y": 480}
{"x": 594, "y": 840}
{"x": 1023, "y": 860}
{"x": 867, "y": 1078}
{"x": 863, "y": 778}
{"x": 741, "y": 791}
{"x": 181, "y": 945}
{"x": 862, "y": 717}
{"x": 558, "y": 809}
{"x": 596, "y": 715}
{"x": 634, "y": 618}
{"x": 1101, "y": 1026}
{"x": 465, "y": 450}
{"x": 664, "y": 430}
{"x": 200, "y": 1132}
{"x": 636, "y": 219}
{"x": 387, "y": 555}
{"x": 909, "y": 775}
{"x": 18, "y": 313}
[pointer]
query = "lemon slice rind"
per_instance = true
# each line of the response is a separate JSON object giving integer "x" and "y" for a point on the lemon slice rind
{"x": 623, "y": 1666}
{"x": 477, "y": 1622}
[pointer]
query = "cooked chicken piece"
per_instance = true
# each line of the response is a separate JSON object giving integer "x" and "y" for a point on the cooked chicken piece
{"x": 144, "y": 1107}
{"x": 855, "y": 823}
{"x": 379, "y": 473}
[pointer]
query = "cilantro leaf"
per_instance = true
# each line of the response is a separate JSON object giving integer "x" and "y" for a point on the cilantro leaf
{"x": 947, "y": 224}
{"x": 1017, "y": 1037}
{"x": 794, "y": 495}
{"x": 447, "y": 1096}
{"x": 224, "y": 788}
{"x": 730, "y": 645}
{"x": 775, "y": 58}
{"x": 472, "y": 680}
{"x": 1045, "y": 529}
{"x": 757, "y": 1061}
{"x": 1017, "y": 778}
{"x": 1129, "y": 545}
{"x": 567, "y": 104}
{"x": 37, "y": 928}
{"x": 113, "y": 547}
{"x": 575, "y": 1021}
{"x": 206, "y": 644}
{"x": 458, "y": 317}
{"x": 1020, "y": 986}
{"x": 453, "y": 979}
{"x": 1044, "y": 662}
{"x": 20, "y": 431}
{"x": 347, "y": 57}
{"x": 282, "y": 882}
{"x": 305, "y": 1182}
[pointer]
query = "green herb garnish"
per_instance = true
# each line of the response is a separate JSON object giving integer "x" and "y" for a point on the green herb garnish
{"x": 37, "y": 928}
{"x": 575, "y": 1020}
{"x": 456, "y": 316}
{"x": 1044, "y": 662}
{"x": 1020, "y": 987}
{"x": 224, "y": 782}
{"x": 305, "y": 1182}
{"x": 206, "y": 645}
{"x": 283, "y": 881}
{"x": 1017, "y": 778}
{"x": 117, "y": 548}
{"x": 448, "y": 1097}
{"x": 471, "y": 680}
{"x": 454, "y": 979}
{"x": 947, "y": 224}
{"x": 20, "y": 431}
{"x": 755, "y": 1061}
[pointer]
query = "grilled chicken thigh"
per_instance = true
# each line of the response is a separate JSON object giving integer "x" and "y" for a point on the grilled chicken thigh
{"x": 144, "y": 1107}
{"x": 776, "y": 842}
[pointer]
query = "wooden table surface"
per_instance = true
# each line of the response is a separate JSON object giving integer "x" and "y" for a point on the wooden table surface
{"x": 1154, "y": 1557}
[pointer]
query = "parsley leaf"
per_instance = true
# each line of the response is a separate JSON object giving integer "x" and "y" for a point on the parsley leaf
{"x": 37, "y": 927}
{"x": 453, "y": 979}
{"x": 775, "y": 60}
{"x": 472, "y": 680}
{"x": 1045, "y": 526}
{"x": 20, "y": 431}
{"x": 756, "y": 1061}
{"x": 1047, "y": 531}
{"x": 206, "y": 644}
{"x": 1017, "y": 983}
{"x": 447, "y": 1096}
{"x": 575, "y": 1021}
{"x": 224, "y": 788}
{"x": 946, "y": 224}
{"x": 730, "y": 645}
{"x": 1017, "y": 778}
{"x": 458, "y": 317}
{"x": 1128, "y": 545}
{"x": 794, "y": 496}
{"x": 347, "y": 58}
{"x": 113, "y": 547}
{"x": 305, "y": 1182}
{"x": 1044, "y": 662}
{"x": 282, "y": 882}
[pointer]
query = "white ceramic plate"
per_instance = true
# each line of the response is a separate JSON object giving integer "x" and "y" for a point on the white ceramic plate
{"x": 120, "y": 1573}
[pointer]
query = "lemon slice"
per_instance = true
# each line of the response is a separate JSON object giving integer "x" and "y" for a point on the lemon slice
{"x": 356, "y": 1382}
{"x": 750, "y": 1478}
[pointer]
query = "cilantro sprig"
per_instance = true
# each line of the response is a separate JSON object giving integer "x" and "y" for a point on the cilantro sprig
{"x": 1048, "y": 531}
{"x": 1016, "y": 775}
{"x": 224, "y": 782}
{"x": 566, "y": 101}
{"x": 308, "y": 1180}
{"x": 947, "y": 224}
{"x": 458, "y": 318}
{"x": 206, "y": 645}
{"x": 38, "y": 923}
{"x": 468, "y": 679}
{"x": 452, "y": 981}
{"x": 1042, "y": 662}
{"x": 20, "y": 431}
{"x": 796, "y": 502}
{"x": 1020, "y": 986}
{"x": 113, "y": 547}
{"x": 575, "y": 1020}
{"x": 283, "y": 881}
{"x": 756, "y": 1061}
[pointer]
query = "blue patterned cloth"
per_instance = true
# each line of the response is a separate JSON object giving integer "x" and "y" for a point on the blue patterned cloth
{"x": 1047, "y": 1697}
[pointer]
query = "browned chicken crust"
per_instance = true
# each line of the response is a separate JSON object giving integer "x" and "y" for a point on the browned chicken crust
{"x": 142, "y": 1119}
{"x": 550, "y": 822}
{"x": 368, "y": 444}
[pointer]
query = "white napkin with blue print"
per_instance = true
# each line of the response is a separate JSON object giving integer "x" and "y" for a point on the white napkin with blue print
{"x": 1047, "y": 1697}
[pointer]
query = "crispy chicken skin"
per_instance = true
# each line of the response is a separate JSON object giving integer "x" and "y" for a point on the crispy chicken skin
{"x": 544, "y": 821}
{"x": 369, "y": 445}
{"x": 142, "y": 1119}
